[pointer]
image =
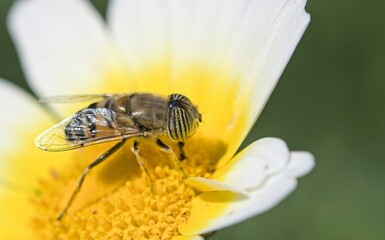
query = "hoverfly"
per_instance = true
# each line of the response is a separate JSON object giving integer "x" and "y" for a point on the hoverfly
{"x": 118, "y": 117}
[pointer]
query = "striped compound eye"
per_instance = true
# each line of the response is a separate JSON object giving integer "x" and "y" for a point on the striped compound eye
{"x": 183, "y": 118}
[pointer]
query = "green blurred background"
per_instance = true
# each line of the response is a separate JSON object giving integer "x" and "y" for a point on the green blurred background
{"x": 330, "y": 101}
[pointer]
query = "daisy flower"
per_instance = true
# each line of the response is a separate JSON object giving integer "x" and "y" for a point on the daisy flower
{"x": 225, "y": 55}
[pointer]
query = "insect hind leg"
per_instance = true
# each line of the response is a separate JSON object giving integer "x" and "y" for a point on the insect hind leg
{"x": 95, "y": 163}
{"x": 177, "y": 160}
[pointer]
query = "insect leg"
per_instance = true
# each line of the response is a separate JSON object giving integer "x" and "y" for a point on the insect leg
{"x": 135, "y": 151}
{"x": 176, "y": 160}
{"x": 99, "y": 160}
{"x": 182, "y": 155}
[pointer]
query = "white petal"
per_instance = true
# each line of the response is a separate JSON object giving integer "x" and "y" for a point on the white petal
{"x": 251, "y": 167}
{"x": 64, "y": 47}
{"x": 275, "y": 29}
{"x": 215, "y": 210}
{"x": 140, "y": 30}
{"x": 19, "y": 110}
{"x": 234, "y": 53}
{"x": 21, "y": 162}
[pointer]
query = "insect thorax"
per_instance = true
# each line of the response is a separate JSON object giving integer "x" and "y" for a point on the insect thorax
{"x": 148, "y": 111}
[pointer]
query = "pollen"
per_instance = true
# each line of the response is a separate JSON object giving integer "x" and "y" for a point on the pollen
{"x": 119, "y": 200}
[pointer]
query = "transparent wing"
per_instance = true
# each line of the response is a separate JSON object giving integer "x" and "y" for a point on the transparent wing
{"x": 88, "y": 127}
{"x": 79, "y": 98}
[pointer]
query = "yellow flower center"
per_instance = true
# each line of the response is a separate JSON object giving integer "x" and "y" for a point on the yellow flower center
{"x": 118, "y": 200}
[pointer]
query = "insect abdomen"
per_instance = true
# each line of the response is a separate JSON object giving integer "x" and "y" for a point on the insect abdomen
{"x": 81, "y": 127}
{"x": 83, "y": 124}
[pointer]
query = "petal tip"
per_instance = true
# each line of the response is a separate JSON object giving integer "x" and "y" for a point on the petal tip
{"x": 301, "y": 163}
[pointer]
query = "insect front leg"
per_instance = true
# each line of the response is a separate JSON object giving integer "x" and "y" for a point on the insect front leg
{"x": 182, "y": 155}
{"x": 142, "y": 165}
{"x": 99, "y": 160}
{"x": 177, "y": 161}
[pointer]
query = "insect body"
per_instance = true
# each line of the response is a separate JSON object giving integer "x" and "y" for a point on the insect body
{"x": 121, "y": 117}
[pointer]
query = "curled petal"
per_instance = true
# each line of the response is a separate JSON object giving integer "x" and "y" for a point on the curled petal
{"x": 213, "y": 210}
{"x": 210, "y": 185}
{"x": 251, "y": 167}
{"x": 301, "y": 163}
